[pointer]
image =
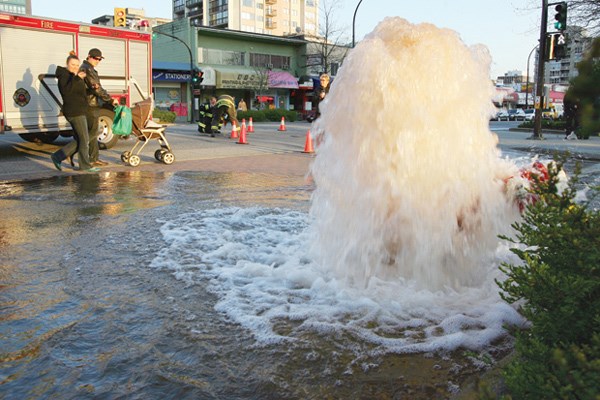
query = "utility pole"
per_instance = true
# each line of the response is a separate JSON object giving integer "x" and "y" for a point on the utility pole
{"x": 539, "y": 91}
{"x": 190, "y": 112}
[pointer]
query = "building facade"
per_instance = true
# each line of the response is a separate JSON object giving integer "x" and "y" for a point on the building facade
{"x": 261, "y": 69}
{"x": 16, "y": 6}
{"x": 562, "y": 71}
{"x": 273, "y": 17}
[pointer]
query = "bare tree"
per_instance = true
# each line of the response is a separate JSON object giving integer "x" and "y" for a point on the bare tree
{"x": 261, "y": 82}
{"x": 329, "y": 48}
{"x": 585, "y": 13}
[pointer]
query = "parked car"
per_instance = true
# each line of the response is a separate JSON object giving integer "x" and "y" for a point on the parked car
{"x": 529, "y": 114}
{"x": 502, "y": 116}
{"x": 516, "y": 115}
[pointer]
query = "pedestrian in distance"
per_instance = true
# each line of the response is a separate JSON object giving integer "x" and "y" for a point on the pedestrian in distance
{"x": 571, "y": 111}
{"x": 242, "y": 106}
{"x": 324, "y": 79}
{"x": 72, "y": 88}
{"x": 95, "y": 95}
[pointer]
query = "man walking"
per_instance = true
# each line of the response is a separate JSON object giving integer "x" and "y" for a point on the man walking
{"x": 95, "y": 93}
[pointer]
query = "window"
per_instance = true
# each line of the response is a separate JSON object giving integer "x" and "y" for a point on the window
{"x": 222, "y": 57}
{"x": 247, "y": 15}
{"x": 218, "y": 12}
{"x": 269, "y": 61}
{"x": 310, "y": 3}
{"x": 248, "y": 3}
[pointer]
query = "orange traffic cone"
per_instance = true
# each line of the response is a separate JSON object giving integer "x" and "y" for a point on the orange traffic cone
{"x": 243, "y": 133}
{"x": 308, "y": 145}
{"x": 282, "y": 125}
{"x": 234, "y": 134}
{"x": 250, "y": 126}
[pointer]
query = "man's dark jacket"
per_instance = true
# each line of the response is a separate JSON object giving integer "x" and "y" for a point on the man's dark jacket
{"x": 94, "y": 88}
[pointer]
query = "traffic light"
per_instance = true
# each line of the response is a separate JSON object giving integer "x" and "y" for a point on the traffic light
{"x": 197, "y": 78}
{"x": 561, "y": 16}
{"x": 556, "y": 46}
{"x": 120, "y": 17}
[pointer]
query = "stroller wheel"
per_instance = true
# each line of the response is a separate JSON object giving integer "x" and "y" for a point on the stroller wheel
{"x": 125, "y": 156}
{"x": 134, "y": 160}
{"x": 158, "y": 154}
{"x": 168, "y": 158}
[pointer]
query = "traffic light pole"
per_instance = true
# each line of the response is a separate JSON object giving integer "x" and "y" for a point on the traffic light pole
{"x": 191, "y": 112}
{"x": 539, "y": 91}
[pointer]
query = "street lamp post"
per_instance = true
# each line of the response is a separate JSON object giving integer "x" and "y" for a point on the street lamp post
{"x": 353, "y": 20}
{"x": 527, "y": 79}
{"x": 191, "y": 67}
{"x": 539, "y": 89}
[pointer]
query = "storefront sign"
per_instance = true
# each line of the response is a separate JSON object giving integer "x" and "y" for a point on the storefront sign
{"x": 170, "y": 76}
{"x": 238, "y": 80}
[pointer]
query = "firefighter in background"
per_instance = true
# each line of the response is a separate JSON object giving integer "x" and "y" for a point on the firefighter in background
{"x": 206, "y": 115}
{"x": 225, "y": 111}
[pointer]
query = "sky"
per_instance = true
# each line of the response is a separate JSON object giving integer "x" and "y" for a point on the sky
{"x": 510, "y": 29}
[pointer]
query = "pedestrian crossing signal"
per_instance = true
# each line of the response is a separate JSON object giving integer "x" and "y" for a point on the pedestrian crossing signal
{"x": 561, "y": 16}
{"x": 120, "y": 17}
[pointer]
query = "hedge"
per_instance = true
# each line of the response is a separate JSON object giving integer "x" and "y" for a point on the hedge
{"x": 268, "y": 115}
{"x": 164, "y": 116}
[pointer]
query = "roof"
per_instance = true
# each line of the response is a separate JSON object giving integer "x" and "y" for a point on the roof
{"x": 170, "y": 65}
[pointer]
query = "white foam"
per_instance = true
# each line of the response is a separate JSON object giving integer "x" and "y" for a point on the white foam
{"x": 255, "y": 261}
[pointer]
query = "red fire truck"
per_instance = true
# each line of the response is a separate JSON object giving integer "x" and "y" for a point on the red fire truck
{"x": 30, "y": 50}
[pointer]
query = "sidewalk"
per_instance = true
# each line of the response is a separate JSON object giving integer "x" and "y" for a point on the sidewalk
{"x": 551, "y": 143}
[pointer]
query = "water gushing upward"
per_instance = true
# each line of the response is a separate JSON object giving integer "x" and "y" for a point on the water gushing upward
{"x": 408, "y": 174}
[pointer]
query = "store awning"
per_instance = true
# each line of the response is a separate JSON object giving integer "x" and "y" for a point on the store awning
{"x": 282, "y": 80}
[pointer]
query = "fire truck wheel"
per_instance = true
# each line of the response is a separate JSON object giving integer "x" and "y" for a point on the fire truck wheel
{"x": 40, "y": 137}
{"x": 106, "y": 139}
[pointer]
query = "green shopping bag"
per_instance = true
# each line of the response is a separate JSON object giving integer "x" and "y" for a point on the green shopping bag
{"x": 122, "y": 123}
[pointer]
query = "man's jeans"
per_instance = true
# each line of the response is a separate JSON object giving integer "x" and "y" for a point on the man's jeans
{"x": 92, "y": 127}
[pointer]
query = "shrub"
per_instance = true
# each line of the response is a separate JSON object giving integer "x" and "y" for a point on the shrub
{"x": 547, "y": 124}
{"x": 257, "y": 115}
{"x": 164, "y": 116}
{"x": 559, "y": 281}
{"x": 268, "y": 115}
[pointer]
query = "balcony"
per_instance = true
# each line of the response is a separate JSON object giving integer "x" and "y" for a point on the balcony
{"x": 270, "y": 24}
{"x": 270, "y": 12}
{"x": 195, "y": 13}
{"x": 192, "y": 3}
{"x": 271, "y": 2}
{"x": 179, "y": 9}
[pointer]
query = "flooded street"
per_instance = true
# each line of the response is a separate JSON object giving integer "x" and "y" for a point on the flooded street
{"x": 196, "y": 281}
{"x": 88, "y": 313}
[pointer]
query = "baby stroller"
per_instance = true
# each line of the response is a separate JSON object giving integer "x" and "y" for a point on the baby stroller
{"x": 145, "y": 130}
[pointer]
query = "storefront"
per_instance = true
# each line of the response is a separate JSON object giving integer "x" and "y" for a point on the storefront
{"x": 170, "y": 82}
{"x": 259, "y": 88}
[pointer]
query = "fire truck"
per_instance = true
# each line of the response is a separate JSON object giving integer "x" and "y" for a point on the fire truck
{"x": 30, "y": 50}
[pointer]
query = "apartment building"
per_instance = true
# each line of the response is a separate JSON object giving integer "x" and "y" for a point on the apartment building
{"x": 16, "y": 6}
{"x": 272, "y": 17}
{"x": 562, "y": 71}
